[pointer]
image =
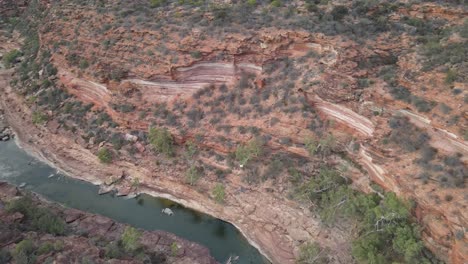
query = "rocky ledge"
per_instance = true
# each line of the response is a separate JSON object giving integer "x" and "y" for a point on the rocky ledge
{"x": 41, "y": 232}
{"x": 6, "y": 133}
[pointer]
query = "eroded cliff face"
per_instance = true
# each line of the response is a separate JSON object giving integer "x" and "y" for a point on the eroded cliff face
{"x": 386, "y": 88}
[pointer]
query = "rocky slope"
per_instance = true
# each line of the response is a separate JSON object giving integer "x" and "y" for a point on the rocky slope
{"x": 384, "y": 82}
{"x": 83, "y": 237}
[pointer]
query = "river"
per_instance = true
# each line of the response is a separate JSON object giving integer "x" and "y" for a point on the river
{"x": 222, "y": 238}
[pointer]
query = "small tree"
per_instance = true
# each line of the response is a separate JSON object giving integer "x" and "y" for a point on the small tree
{"x": 130, "y": 239}
{"x": 161, "y": 139}
{"x": 339, "y": 12}
{"x": 24, "y": 252}
{"x": 104, "y": 155}
{"x": 174, "y": 248}
{"x": 246, "y": 152}
{"x": 38, "y": 118}
{"x": 311, "y": 145}
{"x": 450, "y": 76}
{"x": 312, "y": 253}
{"x": 219, "y": 193}
{"x": 190, "y": 149}
{"x": 136, "y": 183}
{"x": 10, "y": 58}
{"x": 192, "y": 175}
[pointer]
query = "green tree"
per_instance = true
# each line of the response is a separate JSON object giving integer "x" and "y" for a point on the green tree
{"x": 130, "y": 239}
{"x": 161, "y": 139}
{"x": 219, "y": 193}
{"x": 105, "y": 155}
{"x": 388, "y": 220}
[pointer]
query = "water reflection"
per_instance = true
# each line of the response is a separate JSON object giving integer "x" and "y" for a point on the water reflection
{"x": 220, "y": 230}
{"x": 196, "y": 217}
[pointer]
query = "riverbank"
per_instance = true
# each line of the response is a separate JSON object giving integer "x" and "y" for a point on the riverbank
{"x": 274, "y": 225}
{"x": 74, "y": 161}
{"x": 76, "y": 235}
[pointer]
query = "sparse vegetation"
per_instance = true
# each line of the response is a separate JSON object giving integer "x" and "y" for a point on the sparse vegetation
{"x": 357, "y": 23}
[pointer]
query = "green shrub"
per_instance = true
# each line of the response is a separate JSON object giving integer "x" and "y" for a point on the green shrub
{"x": 385, "y": 229}
{"x": 252, "y": 2}
{"x": 157, "y": 3}
{"x": 46, "y": 221}
{"x": 190, "y": 150}
{"x": 10, "y": 58}
{"x": 105, "y": 155}
{"x": 219, "y": 193}
{"x": 174, "y": 249}
{"x": 276, "y": 3}
{"x": 84, "y": 64}
{"x": 130, "y": 239}
{"x": 384, "y": 221}
{"x": 45, "y": 248}
{"x": 40, "y": 219}
{"x": 196, "y": 54}
{"x": 24, "y": 252}
{"x": 339, "y": 12}
{"x": 192, "y": 175}
{"x": 161, "y": 139}
{"x": 312, "y": 253}
{"x": 401, "y": 93}
{"x": 407, "y": 135}
{"x": 450, "y": 76}
{"x": 39, "y": 118}
{"x": 136, "y": 183}
{"x": 251, "y": 150}
{"x": 311, "y": 145}
{"x": 113, "y": 251}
